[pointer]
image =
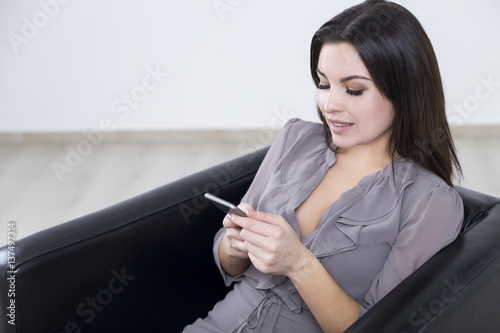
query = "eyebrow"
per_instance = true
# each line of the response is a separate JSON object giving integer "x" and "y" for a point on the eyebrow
{"x": 345, "y": 79}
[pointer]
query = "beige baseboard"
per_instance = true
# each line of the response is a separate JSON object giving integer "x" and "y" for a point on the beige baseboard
{"x": 173, "y": 136}
{"x": 476, "y": 132}
{"x": 193, "y": 136}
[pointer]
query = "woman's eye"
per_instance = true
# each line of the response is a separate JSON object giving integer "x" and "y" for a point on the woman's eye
{"x": 354, "y": 92}
{"x": 323, "y": 86}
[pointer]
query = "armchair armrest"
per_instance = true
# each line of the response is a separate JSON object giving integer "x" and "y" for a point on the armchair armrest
{"x": 145, "y": 265}
{"x": 142, "y": 265}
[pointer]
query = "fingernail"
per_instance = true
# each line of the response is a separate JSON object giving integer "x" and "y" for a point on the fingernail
{"x": 230, "y": 216}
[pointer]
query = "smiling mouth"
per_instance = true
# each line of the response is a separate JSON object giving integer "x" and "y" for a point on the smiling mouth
{"x": 341, "y": 124}
{"x": 340, "y": 127}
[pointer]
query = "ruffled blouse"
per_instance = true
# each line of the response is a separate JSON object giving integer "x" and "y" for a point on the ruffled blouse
{"x": 370, "y": 239}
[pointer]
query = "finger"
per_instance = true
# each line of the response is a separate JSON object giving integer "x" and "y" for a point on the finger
{"x": 259, "y": 259}
{"x": 228, "y": 223}
{"x": 242, "y": 247}
{"x": 247, "y": 208}
{"x": 266, "y": 217}
{"x": 255, "y": 239}
{"x": 238, "y": 246}
{"x": 242, "y": 235}
{"x": 234, "y": 233}
{"x": 260, "y": 216}
{"x": 255, "y": 226}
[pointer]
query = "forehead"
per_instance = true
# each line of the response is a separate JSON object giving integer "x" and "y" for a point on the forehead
{"x": 341, "y": 59}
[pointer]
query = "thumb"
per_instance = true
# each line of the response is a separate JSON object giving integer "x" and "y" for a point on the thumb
{"x": 248, "y": 209}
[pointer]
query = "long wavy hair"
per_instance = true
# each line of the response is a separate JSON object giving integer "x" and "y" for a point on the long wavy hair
{"x": 401, "y": 61}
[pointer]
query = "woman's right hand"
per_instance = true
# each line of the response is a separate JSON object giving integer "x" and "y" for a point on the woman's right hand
{"x": 234, "y": 244}
{"x": 233, "y": 254}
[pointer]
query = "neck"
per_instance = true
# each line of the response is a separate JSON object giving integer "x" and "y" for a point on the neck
{"x": 370, "y": 158}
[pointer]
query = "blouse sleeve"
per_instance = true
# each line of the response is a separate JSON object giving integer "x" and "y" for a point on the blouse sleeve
{"x": 431, "y": 222}
{"x": 255, "y": 190}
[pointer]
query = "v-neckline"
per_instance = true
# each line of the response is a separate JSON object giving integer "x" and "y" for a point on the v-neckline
{"x": 296, "y": 202}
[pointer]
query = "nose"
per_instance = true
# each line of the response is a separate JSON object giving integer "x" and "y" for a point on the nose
{"x": 331, "y": 101}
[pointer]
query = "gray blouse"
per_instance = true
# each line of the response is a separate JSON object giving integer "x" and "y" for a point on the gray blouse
{"x": 369, "y": 240}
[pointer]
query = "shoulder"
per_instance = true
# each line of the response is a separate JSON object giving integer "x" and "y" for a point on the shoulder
{"x": 429, "y": 190}
{"x": 301, "y": 134}
{"x": 427, "y": 181}
{"x": 300, "y": 128}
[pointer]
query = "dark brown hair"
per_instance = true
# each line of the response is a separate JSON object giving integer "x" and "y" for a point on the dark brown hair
{"x": 401, "y": 61}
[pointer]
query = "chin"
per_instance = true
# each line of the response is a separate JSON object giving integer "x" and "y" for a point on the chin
{"x": 342, "y": 144}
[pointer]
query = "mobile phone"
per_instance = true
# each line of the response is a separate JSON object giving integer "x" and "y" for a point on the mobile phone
{"x": 224, "y": 205}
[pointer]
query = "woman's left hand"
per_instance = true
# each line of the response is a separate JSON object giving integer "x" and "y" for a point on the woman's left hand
{"x": 273, "y": 246}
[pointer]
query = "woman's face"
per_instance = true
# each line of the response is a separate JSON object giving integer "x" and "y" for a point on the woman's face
{"x": 357, "y": 113}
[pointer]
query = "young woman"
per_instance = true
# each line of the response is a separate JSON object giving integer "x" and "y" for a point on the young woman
{"x": 341, "y": 212}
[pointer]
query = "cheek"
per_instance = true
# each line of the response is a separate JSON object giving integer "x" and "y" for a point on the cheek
{"x": 379, "y": 112}
{"x": 387, "y": 114}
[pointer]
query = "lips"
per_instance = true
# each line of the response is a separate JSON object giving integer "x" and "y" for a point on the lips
{"x": 339, "y": 126}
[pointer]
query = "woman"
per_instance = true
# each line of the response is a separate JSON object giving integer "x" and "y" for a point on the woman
{"x": 341, "y": 212}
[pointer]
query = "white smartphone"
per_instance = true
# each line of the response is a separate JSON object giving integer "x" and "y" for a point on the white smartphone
{"x": 224, "y": 205}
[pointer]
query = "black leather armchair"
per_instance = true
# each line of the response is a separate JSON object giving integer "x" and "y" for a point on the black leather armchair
{"x": 145, "y": 265}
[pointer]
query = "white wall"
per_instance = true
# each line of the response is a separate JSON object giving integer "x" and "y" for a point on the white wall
{"x": 242, "y": 68}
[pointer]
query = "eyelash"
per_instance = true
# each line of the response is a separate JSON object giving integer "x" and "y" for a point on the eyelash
{"x": 349, "y": 91}
{"x": 354, "y": 92}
